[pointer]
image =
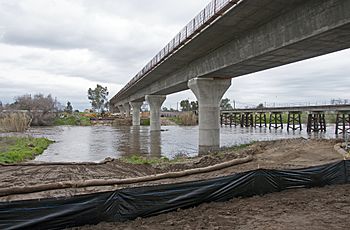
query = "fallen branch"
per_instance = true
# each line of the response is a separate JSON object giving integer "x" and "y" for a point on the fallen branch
{"x": 110, "y": 182}
{"x": 105, "y": 161}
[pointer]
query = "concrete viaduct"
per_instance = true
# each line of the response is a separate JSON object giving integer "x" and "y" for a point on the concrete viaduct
{"x": 228, "y": 39}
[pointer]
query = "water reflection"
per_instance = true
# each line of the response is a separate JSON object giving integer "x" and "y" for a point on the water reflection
{"x": 99, "y": 142}
{"x": 134, "y": 140}
{"x": 155, "y": 144}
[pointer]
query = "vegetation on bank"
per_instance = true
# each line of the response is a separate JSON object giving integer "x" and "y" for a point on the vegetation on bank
{"x": 138, "y": 159}
{"x": 185, "y": 118}
{"x": 145, "y": 122}
{"x": 14, "y": 122}
{"x": 19, "y": 149}
{"x": 72, "y": 119}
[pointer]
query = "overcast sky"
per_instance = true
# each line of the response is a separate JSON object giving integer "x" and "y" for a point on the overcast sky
{"x": 63, "y": 47}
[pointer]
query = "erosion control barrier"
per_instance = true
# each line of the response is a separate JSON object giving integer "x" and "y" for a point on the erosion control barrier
{"x": 130, "y": 203}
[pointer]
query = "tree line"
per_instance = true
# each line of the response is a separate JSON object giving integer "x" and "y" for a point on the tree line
{"x": 192, "y": 106}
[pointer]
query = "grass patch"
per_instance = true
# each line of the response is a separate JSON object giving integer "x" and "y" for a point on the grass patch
{"x": 73, "y": 119}
{"x": 18, "y": 149}
{"x": 139, "y": 160}
{"x": 181, "y": 158}
{"x": 145, "y": 122}
{"x": 176, "y": 120}
{"x": 185, "y": 119}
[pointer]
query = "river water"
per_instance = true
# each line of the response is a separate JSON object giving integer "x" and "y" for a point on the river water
{"x": 95, "y": 143}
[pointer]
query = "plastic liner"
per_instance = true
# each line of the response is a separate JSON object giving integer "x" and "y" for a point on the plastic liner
{"x": 130, "y": 203}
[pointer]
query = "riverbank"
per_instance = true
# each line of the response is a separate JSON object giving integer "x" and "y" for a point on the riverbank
{"x": 281, "y": 154}
{"x": 19, "y": 149}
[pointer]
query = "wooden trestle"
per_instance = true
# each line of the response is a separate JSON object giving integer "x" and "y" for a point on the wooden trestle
{"x": 294, "y": 121}
{"x": 342, "y": 123}
{"x": 276, "y": 120}
{"x": 316, "y": 122}
{"x": 247, "y": 120}
{"x": 230, "y": 119}
{"x": 260, "y": 119}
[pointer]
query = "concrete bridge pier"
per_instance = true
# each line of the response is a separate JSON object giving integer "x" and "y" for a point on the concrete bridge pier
{"x": 127, "y": 109}
{"x": 209, "y": 92}
{"x": 155, "y": 102}
{"x": 136, "y": 107}
{"x": 121, "y": 110}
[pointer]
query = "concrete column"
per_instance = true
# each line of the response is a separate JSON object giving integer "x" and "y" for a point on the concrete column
{"x": 155, "y": 102}
{"x": 127, "y": 109}
{"x": 136, "y": 106}
{"x": 209, "y": 92}
{"x": 121, "y": 110}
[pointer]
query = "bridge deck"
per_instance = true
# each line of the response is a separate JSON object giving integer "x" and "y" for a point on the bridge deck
{"x": 251, "y": 36}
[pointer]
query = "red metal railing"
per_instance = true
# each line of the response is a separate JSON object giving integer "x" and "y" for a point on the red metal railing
{"x": 211, "y": 12}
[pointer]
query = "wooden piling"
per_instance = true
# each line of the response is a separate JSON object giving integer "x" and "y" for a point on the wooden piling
{"x": 316, "y": 122}
{"x": 276, "y": 120}
{"x": 294, "y": 120}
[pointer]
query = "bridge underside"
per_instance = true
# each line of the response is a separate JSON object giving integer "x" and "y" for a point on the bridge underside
{"x": 259, "y": 41}
{"x": 252, "y": 36}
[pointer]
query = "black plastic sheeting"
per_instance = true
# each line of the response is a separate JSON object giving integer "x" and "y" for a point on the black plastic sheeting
{"x": 130, "y": 203}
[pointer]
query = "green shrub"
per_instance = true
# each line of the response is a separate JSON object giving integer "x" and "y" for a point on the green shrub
{"x": 73, "y": 119}
{"x": 18, "y": 149}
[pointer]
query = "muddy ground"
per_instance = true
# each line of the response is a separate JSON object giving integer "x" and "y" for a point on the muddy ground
{"x": 315, "y": 209}
{"x": 281, "y": 154}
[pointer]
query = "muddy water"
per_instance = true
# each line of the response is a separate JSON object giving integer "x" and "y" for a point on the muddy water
{"x": 95, "y": 143}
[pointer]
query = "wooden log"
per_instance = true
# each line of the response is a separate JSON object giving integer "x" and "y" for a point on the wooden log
{"x": 111, "y": 182}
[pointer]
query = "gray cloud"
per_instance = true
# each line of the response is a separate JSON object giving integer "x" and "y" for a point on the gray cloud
{"x": 63, "y": 47}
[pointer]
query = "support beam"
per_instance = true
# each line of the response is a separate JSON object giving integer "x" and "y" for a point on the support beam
{"x": 260, "y": 119}
{"x": 276, "y": 120}
{"x": 127, "y": 109}
{"x": 342, "y": 124}
{"x": 247, "y": 120}
{"x": 294, "y": 120}
{"x": 136, "y": 107}
{"x": 209, "y": 92}
{"x": 121, "y": 110}
{"x": 155, "y": 102}
{"x": 316, "y": 122}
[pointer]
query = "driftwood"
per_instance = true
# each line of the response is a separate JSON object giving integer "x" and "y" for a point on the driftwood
{"x": 111, "y": 182}
{"x": 105, "y": 161}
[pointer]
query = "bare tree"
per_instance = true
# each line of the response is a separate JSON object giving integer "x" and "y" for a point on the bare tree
{"x": 42, "y": 108}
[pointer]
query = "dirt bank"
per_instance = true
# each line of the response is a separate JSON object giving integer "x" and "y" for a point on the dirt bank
{"x": 292, "y": 153}
{"x": 316, "y": 208}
